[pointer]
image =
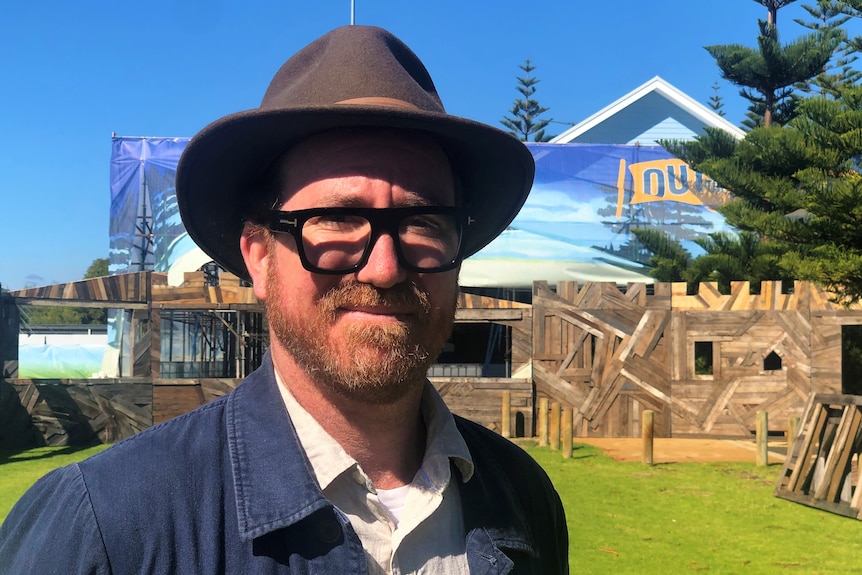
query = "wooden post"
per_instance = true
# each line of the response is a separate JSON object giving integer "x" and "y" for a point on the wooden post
{"x": 507, "y": 414}
{"x": 647, "y": 434}
{"x": 554, "y": 431}
{"x": 762, "y": 439}
{"x": 543, "y": 421}
{"x": 792, "y": 430}
{"x": 566, "y": 433}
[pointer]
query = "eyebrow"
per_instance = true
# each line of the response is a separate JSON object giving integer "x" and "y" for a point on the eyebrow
{"x": 339, "y": 201}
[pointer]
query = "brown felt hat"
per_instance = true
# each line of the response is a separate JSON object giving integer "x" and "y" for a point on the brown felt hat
{"x": 354, "y": 76}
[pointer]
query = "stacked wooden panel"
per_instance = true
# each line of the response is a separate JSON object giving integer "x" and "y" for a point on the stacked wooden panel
{"x": 821, "y": 469}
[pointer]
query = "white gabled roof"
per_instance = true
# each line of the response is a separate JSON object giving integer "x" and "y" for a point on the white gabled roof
{"x": 676, "y": 96}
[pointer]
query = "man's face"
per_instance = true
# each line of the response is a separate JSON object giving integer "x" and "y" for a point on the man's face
{"x": 372, "y": 334}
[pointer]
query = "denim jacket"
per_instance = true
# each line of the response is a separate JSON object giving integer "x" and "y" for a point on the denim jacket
{"x": 226, "y": 488}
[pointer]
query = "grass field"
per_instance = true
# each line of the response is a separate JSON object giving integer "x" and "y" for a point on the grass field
{"x": 20, "y": 470}
{"x": 627, "y": 518}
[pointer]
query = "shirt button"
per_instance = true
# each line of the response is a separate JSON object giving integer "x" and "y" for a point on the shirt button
{"x": 328, "y": 530}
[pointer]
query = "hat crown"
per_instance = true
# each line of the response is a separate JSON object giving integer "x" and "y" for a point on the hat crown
{"x": 353, "y": 65}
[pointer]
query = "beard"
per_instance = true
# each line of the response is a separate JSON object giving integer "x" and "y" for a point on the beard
{"x": 372, "y": 363}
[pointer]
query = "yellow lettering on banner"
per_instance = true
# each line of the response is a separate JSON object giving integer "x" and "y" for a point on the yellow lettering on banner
{"x": 621, "y": 187}
{"x": 664, "y": 180}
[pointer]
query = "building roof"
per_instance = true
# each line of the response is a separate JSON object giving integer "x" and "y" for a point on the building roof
{"x": 652, "y": 111}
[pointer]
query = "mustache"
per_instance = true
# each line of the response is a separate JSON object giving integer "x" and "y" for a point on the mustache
{"x": 404, "y": 297}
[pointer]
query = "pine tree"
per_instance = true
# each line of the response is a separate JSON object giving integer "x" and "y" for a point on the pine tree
{"x": 715, "y": 101}
{"x": 729, "y": 258}
{"x": 766, "y": 75}
{"x": 772, "y": 7}
{"x": 797, "y": 191}
{"x": 669, "y": 259}
{"x": 522, "y": 122}
{"x": 831, "y": 15}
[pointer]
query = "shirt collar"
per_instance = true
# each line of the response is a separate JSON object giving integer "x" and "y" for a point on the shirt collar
{"x": 443, "y": 444}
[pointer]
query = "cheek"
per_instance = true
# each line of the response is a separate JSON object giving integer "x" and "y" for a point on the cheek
{"x": 442, "y": 288}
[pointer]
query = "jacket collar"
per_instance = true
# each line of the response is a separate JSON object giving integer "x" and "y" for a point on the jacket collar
{"x": 275, "y": 486}
{"x": 497, "y": 513}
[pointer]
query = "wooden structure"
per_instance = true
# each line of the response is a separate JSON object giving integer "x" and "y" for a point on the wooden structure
{"x": 705, "y": 363}
{"x": 57, "y": 412}
{"x": 822, "y": 468}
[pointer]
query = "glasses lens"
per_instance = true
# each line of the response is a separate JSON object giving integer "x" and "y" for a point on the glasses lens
{"x": 338, "y": 242}
{"x": 335, "y": 242}
{"x": 429, "y": 241}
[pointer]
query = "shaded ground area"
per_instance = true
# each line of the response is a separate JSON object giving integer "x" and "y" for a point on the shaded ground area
{"x": 666, "y": 450}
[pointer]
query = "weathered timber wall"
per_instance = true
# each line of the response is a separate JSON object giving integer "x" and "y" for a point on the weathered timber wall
{"x": 73, "y": 412}
{"x": 480, "y": 399}
{"x": 77, "y": 411}
{"x": 516, "y": 315}
{"x": 610, "y": 354}
{"x": 173, "y": 397}
{"x": 9, "y": 322}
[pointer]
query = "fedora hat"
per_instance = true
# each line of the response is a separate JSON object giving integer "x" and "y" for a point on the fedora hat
{"x": 354, "y": 76}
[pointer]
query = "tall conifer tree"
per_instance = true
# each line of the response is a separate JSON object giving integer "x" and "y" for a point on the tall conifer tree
{"x": 797, "y": 189}
{"x": 715, "y": 101}
{"x": 766, "y": 75}
{"x": 831, "y": 15}
{"x": 523, "y": 122}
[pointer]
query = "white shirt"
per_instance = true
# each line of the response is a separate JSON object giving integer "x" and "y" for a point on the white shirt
{"x": 427, "y": 534}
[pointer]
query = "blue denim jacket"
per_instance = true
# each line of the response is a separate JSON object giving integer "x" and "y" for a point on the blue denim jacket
{"x": 227, "y": 489}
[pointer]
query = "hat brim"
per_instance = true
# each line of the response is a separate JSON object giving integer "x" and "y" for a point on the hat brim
{"x": 220, "y": 168}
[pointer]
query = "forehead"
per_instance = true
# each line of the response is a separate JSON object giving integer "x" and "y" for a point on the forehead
{"x": 343, "y": 161}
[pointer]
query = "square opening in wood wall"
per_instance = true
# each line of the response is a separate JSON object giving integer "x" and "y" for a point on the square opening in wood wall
{"x": 703, "y": 358}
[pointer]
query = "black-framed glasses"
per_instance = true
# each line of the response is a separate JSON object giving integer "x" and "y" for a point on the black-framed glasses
{"x": 339, "y": 240}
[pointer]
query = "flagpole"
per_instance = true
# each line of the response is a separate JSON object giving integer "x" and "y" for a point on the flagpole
{"x": 352, "y": 12}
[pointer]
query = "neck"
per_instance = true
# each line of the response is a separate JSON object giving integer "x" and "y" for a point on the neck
{"x": 386, "y": 440}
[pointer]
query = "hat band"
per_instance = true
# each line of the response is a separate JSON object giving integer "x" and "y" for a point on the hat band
{"x": 381, "y": 101}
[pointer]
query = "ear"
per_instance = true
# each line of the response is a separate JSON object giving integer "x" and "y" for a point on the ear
{"x": 252, "y": 245}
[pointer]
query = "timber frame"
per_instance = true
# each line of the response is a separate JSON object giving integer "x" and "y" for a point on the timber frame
{"x": 705, "y": 363}
{"x": 822, "y": 467}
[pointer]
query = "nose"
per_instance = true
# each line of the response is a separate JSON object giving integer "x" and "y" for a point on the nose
{"x": 382, "y": 268}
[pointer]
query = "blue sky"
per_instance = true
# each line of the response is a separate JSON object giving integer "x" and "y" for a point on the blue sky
{"x": 73, "y": 73}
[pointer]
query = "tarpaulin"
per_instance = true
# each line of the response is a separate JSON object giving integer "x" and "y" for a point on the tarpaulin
{"x": 575, "y": 225}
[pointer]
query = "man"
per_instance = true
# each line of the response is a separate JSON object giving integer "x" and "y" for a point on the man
{"x": 349, "y": 199}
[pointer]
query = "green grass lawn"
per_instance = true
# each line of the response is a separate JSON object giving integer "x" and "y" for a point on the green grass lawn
{"x": 627, "y": 518}
{"x": 686, "y": 517}
{"x": 19, "y": 470}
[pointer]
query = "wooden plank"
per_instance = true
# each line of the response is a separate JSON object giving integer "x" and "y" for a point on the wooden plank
{"x": 485, "y": 315}
{"x": 606, "y": 397}
{"x": 806, "y": 460}
{"x": 715, "y": 404}
{"x": 576, "y": 346}
{"x": 839, "y": 454}
{"x": 649, "y": 332}
{"x": 550, "y": 384}
{"x": 582, "y": 320}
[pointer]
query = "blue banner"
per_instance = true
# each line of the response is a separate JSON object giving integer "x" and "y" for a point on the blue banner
{"x": 575, "y": 225}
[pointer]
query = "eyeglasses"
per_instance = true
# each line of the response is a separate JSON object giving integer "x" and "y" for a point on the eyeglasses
{"x": 339, "y": 240}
